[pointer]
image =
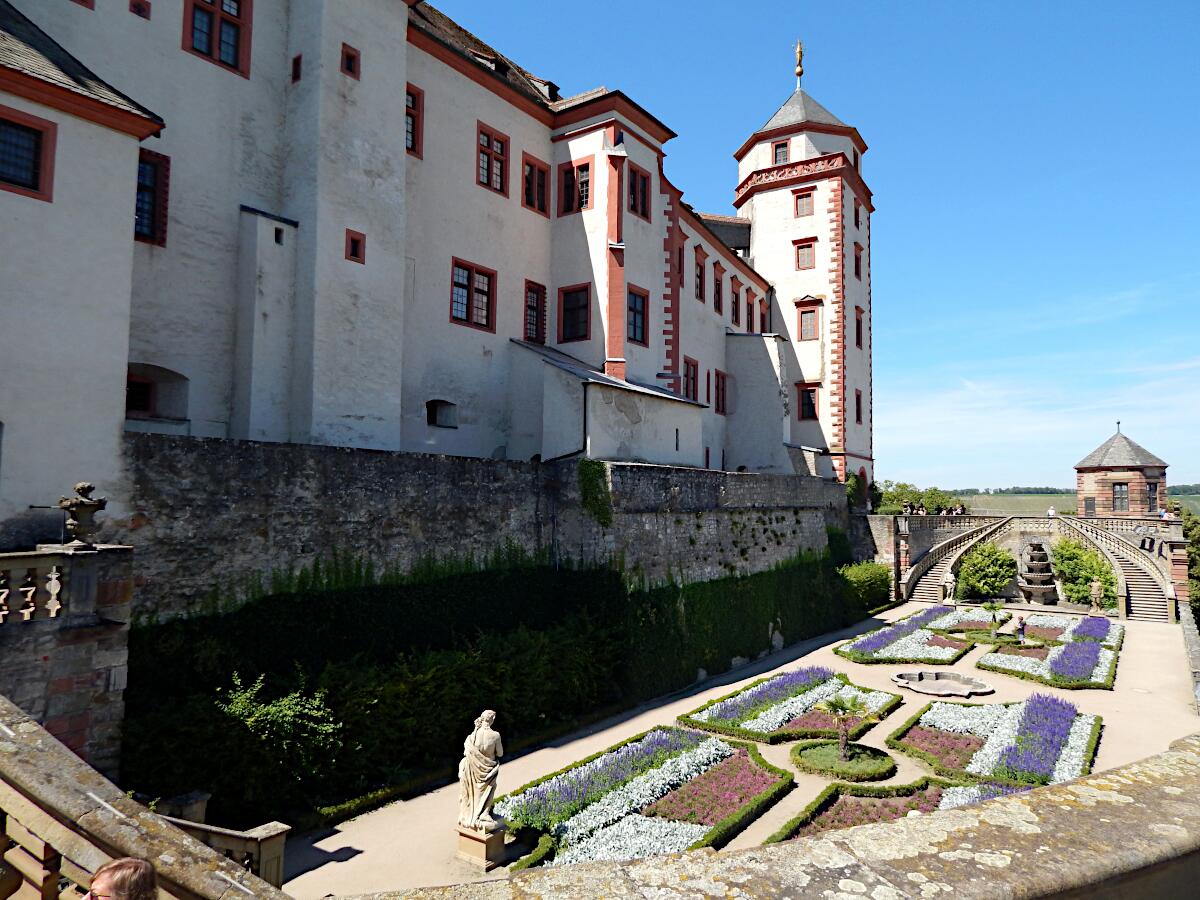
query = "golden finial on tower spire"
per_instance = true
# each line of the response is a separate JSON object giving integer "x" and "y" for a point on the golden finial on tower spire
{"x": 799, "y": 61}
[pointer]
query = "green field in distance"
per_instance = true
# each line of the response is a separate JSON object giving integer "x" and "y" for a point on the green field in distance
{"x": 1037, "y": 504}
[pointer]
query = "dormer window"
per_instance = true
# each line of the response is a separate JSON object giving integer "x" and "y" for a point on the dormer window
{"x": 780, "y": 152}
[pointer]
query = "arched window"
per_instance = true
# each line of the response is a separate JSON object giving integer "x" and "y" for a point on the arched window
{"x": 152, "y": 392}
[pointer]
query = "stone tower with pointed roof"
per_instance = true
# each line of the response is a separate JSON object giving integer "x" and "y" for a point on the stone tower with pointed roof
{"x": 1120, "y": 478}
{"x": 801, "y": 189}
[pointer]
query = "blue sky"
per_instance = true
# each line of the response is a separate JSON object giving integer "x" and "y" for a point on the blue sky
{"x": 1036, "y": 169}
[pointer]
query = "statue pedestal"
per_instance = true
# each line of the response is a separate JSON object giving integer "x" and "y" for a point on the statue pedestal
{"x": 481, "y": 848}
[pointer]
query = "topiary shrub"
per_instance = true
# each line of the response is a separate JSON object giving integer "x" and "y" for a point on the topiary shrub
{"x": 869, "y": 582}
{"x": 1076, "y": 565}
{"x": 985, "y": 571}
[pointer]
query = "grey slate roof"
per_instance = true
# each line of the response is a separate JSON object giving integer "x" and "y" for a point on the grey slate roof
{"x": 1119, "y": 452}
{"x": 733, "y": 231}
{"x": 800, "y": 107}
{"x": 584, "y": 372}
{"x": 26, "y": 48}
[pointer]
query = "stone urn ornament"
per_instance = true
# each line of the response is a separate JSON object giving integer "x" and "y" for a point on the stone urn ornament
{"x": 81, "y": 514}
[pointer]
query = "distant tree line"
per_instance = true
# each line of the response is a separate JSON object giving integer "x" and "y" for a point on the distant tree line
{"x": 1183, "y": 490}
{"x": 974, "y": 492}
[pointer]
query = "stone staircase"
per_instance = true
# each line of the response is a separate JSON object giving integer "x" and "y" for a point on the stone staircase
{"x": 1146, "y": 599}
{"x": 929, "y": 588}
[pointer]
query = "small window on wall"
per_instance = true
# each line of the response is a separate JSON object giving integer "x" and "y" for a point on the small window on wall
{"x": 804, "y": 203}
{"x": 701, "y": 263}
{"x": 1120, "y": 497}
{"x": 27, "y": 154}
{"x": 150, "y": 212}
{"x": 219, "y": 31}
{"x": 575, "y": 187}
{"x": 535, "y": 185}
{"x": 749, "y": 312}
{"x": 780, "y": 151}
{"x": 857, "y": 214}
{"x": 140, "y": 8}
{"x": 858, "y": 407}
{"x": 858, "y": 327}
{"x": 414, "y": 120}
{"x": 1152, "y": 496}
{"x": 858, "y": 258}
{"x": 735, "y": 306}
{"x": 639, "y": 192}
{"x": 691, "y": 379}
{"x": 351, "y": 62}
{"x": 806, "y": 254}
{"x": 356, "y": 246}
{"x": 575, "y": 313}
{"x": 152, "y": 392}
{"x": 635, "y": 316}
{"x": 472, "y": 295}
{"x": 535, "y": 312}
{"x": 809, "y": 327}
{"x": 722, "y": 387}
{"x": 806, "y": 402}
{"x": 139, "y": 397}
{"x": 718, "y": 289}
{"x": 492, "y": 171}
{"x": 441, "y": 414}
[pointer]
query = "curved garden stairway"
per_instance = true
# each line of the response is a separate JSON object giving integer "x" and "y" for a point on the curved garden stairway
{"x": 1141, "y": 587}
{"x": 924, "y": 580}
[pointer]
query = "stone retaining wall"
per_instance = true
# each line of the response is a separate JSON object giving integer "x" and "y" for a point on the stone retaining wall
{"x": 206, "y": 515}
{"x": 1126, "y": 833}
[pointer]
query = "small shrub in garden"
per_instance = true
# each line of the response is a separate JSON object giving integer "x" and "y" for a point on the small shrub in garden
{"x": 862, "y": 763}
{"x": 868, "y": 582}
{"x": 1076, "y": 565}
{"x": 985, "y": 571}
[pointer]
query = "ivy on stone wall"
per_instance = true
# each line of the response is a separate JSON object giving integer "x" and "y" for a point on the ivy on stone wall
{"x": 594, "y": 493}
{"x": 403, "y": 669}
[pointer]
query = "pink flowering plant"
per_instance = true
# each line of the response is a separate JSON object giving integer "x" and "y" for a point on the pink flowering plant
{"x": 717, "y": 794}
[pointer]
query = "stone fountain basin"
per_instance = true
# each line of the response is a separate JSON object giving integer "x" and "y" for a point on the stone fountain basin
{"x": 942, "y": 684}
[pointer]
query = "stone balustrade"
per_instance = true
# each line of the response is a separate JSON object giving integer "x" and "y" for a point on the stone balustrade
{"x": 1133, "y": 831}
{"x": 31, "y": 587}
{"x": 260, "y": 850}
{"x": 60, "y": 820}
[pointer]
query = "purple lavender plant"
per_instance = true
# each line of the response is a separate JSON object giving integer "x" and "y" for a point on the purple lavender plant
{"x": 557, "y": 799}
{"x": 993, "y": 789}
{"x": 777, "y": 689}
{"x": 872, "y": 643}
{"x": 1076, "y": 661}
{"x": 1041, "y": 736}
{"x": 1093, "y": 628}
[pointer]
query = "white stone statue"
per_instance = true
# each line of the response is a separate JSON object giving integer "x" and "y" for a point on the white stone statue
{"x": 477, "y": 775}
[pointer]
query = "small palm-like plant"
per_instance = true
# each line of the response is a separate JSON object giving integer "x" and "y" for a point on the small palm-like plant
{"x": 843, "y": 709}
{"x": 994, "y": 608}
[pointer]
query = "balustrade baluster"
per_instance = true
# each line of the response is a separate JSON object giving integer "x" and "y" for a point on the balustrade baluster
{"x": 53, "y": 589}
{"x": 28, "y": 592}
{"x": 4, "y": 592}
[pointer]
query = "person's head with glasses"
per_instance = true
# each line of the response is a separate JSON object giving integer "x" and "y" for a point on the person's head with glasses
{"x": 124, "y": 879}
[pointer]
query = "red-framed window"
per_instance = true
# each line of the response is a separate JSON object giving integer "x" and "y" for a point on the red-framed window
{"x": 141, "y": 397}
{"x": 297, "y": 67}
{"x": 153, "y": 192}
{"x": 140, "y": 8}
{"x": 802, "y": 202}
{"x": 491, "y": 169}
{"x": 575, "y": 313}
{"x": 764, "y": 316}
{"x": 351, "y": 63}
{"x": 856, "y": 159}
{"x": 637, "y": 310}
{"x": 857, "y": 214}
{"x": 576, "y": 192}
{"x": 806, "y": 401}
{"x": 356, "y": 246}
{"x": 535, "y": 312}
{"x": 858, "y": 406}
{"x": 808, "y": 323}
{"x": 735, "y": 301}
{"x": 779, "y": 152}
{"x": 722, "y": 392}
{"x": 535, "y": 184}
{"x": 27, "y": 154}
{"x": 858, "y": 327}
{"x": 718, "y": 288}
{"x": 750, "y": 312}
{"x": 691, "y": 378}
{"x": 701, "y": 265}
{"x": 806, "y": 253}
{"x": 89, "y": 4}
{"x": 472, "y": 295}
{"x": 414, "y": 120}
{"x": 219, "y": 31}
{"x": 858, "y": 258}
{"x": 639, "y": 192}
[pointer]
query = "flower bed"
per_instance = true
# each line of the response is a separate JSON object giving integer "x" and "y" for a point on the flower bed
{"x": 782, "y": 708}
{"x": 1041, "y": 740}
{"x": 969, "y": 619}
{"x": 664, "y": 791}
{"x": 1075, "y": 665}
{"x": 908, "y": 641}
{"x": 823, "y": 758}
{"x": 1100, "y": 629}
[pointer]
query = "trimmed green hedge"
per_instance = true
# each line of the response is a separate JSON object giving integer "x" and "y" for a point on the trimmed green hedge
{"x": 405, "y": 667}
{"x": 883, "y": 764}
{"x": 778, "y": 737}
{"x": 870, "y": 582}
{"x": 829, "y": 796}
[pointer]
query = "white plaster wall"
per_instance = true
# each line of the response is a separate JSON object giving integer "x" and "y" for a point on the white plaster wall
{"x": 223, "y": 136}
{"x": 634, "y": 427}
{"x": 64, "y": 316}
{"x": 858, "y": 360}
{"x": 443, "y": 359}
{"x": 759, "y": 404}
{"x": 562, "y": 420}
{"x": 526, "y": 393}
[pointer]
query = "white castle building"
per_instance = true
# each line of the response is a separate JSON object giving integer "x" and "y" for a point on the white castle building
{"x": 353, "y": 223}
